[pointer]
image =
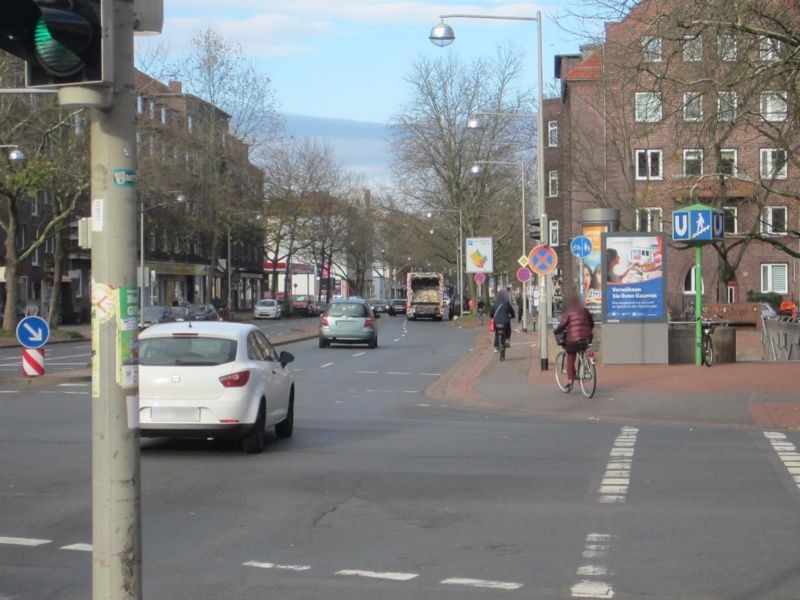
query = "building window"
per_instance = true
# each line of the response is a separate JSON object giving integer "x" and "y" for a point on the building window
{"x": 774, "y": 106}
{"x": 731, "y": 219}
{"x": 773, "y": 163}
{"x": 648, "y": 164}
{"x": 552, "y": 133}
{"x": 727, "y": 103}
{"x": 727, "y": 48}
{"x": 552, "y": 184}
{"x": 151, "y": 242}
{"x": 79, "y": 285}
{"x": 23, "y": 234}
{"x": 692, "y": 163}
{"x": 140, "y": 103}
{"x": 35, "y": 205}
{"x": 769, "y": 49}
{"x": 49, "y": 244}
{"x": 647, "y": 107}
{"x": 553, "y": 233}
{"x": 651, "y": 49}
{"x": 773, "y": 220}
{"x": 728, "y": 162}
{"x": 164, "y": 115}
{"x": 190, "y": 124}
{"x": 731, "y": 294}
{"x": 649, "y": 219}
{"x": 774, "y": 278}
{"x": 152, "y": 108}
{"x": 688, "y": 283}
{"x": 692, "y": 106}
{"x": 692, "y": 48}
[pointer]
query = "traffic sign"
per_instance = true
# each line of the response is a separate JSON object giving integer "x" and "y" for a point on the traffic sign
{"x": 33, "y": 332}
{"x": 543, "y": 260}
{"x": 581, "y": 246}
{"x": 523, "y": 261}
{"x": 524, "y": 275}
{"x": 479, "y": 278}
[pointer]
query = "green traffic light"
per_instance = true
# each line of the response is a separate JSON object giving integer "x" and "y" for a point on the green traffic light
{"x": 54, "y": 56}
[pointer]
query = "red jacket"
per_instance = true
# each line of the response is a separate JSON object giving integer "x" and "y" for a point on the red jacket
{"x": 578, "y": 323}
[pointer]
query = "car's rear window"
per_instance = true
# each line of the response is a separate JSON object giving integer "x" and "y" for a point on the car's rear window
{"x": 347, "y": 309}
{"x": 266, "y": 302}
{"x": 186, "y": 351}
{"x": 153, "y": 312}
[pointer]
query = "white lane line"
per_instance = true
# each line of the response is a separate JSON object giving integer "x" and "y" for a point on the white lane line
{"x": 411, "y": 391}
{"x": 431, "y": 374}
{"x": 616, "y": 479}
{"x": 787, "y": 452}
{"x": 326, "y": 365}
{"x": 396, "y": 340}
{"x": 78, "y": 547}
{"x": 367, "y": 372}
{"x": 16, "y": 541}
{"x": 267, "y": 565}
{"x": 482, "y": 583}
{"x": 9, "y": 391}
{"x": 592, "y": 589}
{"x": 397, "y": 373}
{"x": 358, "y": 354}
{"x": 73, "y": 384}
{"x": 378, "y": 575}
{"x": 595, "y": 565}
{"x": 424, "y": 405}
{"x": 77, "y": 393}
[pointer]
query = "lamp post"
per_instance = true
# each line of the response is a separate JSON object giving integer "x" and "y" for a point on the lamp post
{"x": 229, "y": 296}
{"x": 179, "y": 199}
{"x": 459, "y": 253}
{"x": 442, "y": 35}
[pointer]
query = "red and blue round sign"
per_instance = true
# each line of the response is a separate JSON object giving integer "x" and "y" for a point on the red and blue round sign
{"x": 543, "y": 260}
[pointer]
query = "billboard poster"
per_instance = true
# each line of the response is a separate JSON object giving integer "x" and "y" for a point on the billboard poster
{"x": 591, "y": 277}
{"x": 479, "y": 255}
{"x": 634, "y": 285}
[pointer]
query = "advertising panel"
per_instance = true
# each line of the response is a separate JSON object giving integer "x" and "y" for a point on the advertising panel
{"x": 634, "y": 285}
{"x": 591, "y": 276}
{"x": 479, "y": 255}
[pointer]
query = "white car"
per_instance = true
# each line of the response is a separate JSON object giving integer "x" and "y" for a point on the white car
{"x": 267, "y": 309}
{"x": 213, "y": 379}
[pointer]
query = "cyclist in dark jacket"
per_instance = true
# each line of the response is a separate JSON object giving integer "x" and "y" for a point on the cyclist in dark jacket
{"x": 502, "y": 312}
{"x": 577, "y": 321}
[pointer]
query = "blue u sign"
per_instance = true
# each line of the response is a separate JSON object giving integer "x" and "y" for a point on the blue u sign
{"x": 680, "y": 226}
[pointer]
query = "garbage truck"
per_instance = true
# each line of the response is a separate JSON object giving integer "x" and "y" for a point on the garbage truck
{"x": 425, "y": 296}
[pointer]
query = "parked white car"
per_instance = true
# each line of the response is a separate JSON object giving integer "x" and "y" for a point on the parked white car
{"x": 213, "y": 379}
{"x": 267, "y": 309}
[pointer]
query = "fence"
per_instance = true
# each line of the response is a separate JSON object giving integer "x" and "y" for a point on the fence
{"x": 780, "y": 339}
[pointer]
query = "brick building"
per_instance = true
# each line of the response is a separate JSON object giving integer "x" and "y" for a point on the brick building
{"x": 659, "y": 116}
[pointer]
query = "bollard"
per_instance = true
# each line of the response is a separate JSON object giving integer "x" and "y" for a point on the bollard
{"x": 33, "y": 362}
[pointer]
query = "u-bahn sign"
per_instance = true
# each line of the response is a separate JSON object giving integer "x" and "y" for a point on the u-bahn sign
{"x": 698, "y": 224}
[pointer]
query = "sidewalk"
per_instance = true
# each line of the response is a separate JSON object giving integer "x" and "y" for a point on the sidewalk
{"x": 744, "y": 394}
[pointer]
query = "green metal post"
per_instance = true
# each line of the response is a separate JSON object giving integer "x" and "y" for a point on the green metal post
{"x": 698, "y": 305}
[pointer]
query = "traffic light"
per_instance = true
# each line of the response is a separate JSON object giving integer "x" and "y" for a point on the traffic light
{"x": 64, "y": 42}
{"x": 534, "y": 229}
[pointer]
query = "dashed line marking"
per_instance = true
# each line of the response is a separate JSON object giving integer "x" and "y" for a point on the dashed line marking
{"x": 78, "y": 547}
{"x": 358, "y": 354}
{"x": 616, "y": 479}
{"x": 73, "y": 385}
{"x": 424, "y": 405}
{"x": 77, "y": 393}
{"x": 482, "y": 583}
{"x": 431, "y": 374}
{"x": 9, "y": 391}
{"x": 17, "y": 541}
{"x": 397, "y": 373}
{"x": 326, "y": 365}
{"x": 592, "y": 589}
{"x": 396, "y": 340}
{"x": 268, "y": 565}
{"x": 787, "y": 452}
{"x": 411, "y": 391}
{"x": 367, "y": 372}
{"x": 595, "y": 554}
{"x": 378, "y": 575}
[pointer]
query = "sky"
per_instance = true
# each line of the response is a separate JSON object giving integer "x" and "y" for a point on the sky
{"x": 347, "y": 59}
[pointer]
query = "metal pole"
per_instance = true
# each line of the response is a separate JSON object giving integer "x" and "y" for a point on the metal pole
{"x": 228, "y": 264}
{"x": 460, "y": 258}
{"x": 141, "y": 259}
{"x": 524, "y": 246}
{"x": 698, "y": 305}
{"x": 544, "y": 296}
{"x": 116, "y": 509}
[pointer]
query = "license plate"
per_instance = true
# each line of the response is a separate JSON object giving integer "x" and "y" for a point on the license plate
{"x": 346, "y": 323}
{"x": 174, "y": 414}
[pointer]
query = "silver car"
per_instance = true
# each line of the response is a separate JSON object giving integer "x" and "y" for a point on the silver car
{"x": 348, "y": 321}
{"x": 267, "y": 309}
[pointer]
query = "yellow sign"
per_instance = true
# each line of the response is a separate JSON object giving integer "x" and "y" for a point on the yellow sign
{"x": 523, "y": 261}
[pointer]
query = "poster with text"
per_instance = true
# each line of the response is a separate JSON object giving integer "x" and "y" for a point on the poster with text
{"x": 634, "y": 282}
{"x": 479, "y": 255}
{"x": 591, "y": 276}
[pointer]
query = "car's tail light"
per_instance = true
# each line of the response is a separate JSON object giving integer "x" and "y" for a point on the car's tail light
{"x": 239, "y": 379}
{"x": 323, "y": 320}
{"x": 368, "y": 324}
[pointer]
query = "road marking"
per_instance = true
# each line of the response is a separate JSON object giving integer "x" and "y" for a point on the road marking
{"x": 482, "y": 583}
{"x": 431, "y": 374}
{"x": 423, "y": 405}
{"x": 326, "y": 365}
{"x": 78, "y": 547}
{"x": 377, "y": 575}
{"x": 367, "y": 372}
{"x": 411, "y": 391}
{"x": 616, "y": 479}
{"x": 397, "y": 373}
{"x": 9, "y": 391}
{"x": 595, "y": 553}
{"x": 16, "y": 541}
{"x": 396, "y": 340}
{"x": 266, "y": 565}
{"x": 73, "y": 385}
{"x": 592, "y": 589}
{"x": 77, "y": 393}
{"x": 787, "y": 452}
{"x": 358, "y": 354}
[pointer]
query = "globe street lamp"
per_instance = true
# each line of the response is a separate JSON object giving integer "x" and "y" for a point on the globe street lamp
{"x": 442, "y": 35}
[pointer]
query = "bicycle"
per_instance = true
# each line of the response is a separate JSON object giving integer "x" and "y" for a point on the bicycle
{"x": 502, "y": 342}
{"x": 585, "y": 369}
{"x": 708, "y": 342}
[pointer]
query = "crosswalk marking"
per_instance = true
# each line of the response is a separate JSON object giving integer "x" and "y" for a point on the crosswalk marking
{"x": 787, "y": 452}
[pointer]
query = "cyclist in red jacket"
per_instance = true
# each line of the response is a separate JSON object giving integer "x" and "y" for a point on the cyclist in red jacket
{"x": 577, "y": 321}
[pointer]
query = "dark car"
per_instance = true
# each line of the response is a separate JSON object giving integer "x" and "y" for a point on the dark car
{"x": 203, "y": 312}
{"x": 379, "y": 305}
{"x": 151, "y": 315}
{"x": 320, "y": 306}
{"x": 397, "y": 307}
{"x": 180, "y": 313}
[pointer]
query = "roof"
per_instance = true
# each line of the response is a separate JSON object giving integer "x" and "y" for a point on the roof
{"x": 589, "y": 69}
{"x": 212, "y": 328}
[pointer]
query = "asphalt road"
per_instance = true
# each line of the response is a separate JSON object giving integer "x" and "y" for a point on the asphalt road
{"x": 383, "y": 493}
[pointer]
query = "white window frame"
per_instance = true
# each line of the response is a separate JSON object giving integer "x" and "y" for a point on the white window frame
{"x": 727, "y": 53}
{"x": 140, "y": 103}
{"x": 190, "y": 124}
{"x": 769, "y": 49}
{"x": 735, "y": 211}
{"x": 35, "y": 204}
{"x": 695, "y": 98}
{"x": 649, "y": 152}
{"x": 647, "y": 107}
{"x": 36, "y": 259}
{"x": 651, "y": 49}
{"x": 49, "y": 244}
{"x": 648, "y": 212}
{"x": 686, "y": 153}
{"x": 552, "y": 233}
{"x": 692, "y": 50}
{"x": 552, "y": 178}
{"x": 774, "y": 113}
{"x": 733, "y": 107}
{"x": 692, "y": 288}
{"x": 767, "y": 284}
{"x": 767, "y": 158}
{"x": 735, "y": 161}
{"x": 767, "y": 219}
{"x": 164, "y": 116}
{"x": 552, "y": 134}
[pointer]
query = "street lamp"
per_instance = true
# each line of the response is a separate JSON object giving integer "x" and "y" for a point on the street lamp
{"x": 459, "y": 254}
{"x": 180, "y": 198}
{"x": 15, "y": 156}
{"x": 442, "y": 35}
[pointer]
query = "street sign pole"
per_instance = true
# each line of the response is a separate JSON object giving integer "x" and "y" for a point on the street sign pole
{"x": 698, "y": 303}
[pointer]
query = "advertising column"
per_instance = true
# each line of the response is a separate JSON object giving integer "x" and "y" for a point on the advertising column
{"x": 594, "y": 223}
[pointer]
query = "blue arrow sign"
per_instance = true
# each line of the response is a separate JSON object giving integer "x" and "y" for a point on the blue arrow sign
{"x": 33, "y": 332}
{"x": 581, "y": 246}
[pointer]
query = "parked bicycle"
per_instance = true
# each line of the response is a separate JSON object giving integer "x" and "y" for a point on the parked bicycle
{"x": 709, "y": 325}
{"x": 585, "y": 368}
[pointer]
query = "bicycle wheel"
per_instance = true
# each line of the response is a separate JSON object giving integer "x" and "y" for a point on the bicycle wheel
{"x": 587, "y": 374}
{"x": 708, "y": 351}
{"x": 561, "y": 371}
{"x": 502, "y": 345}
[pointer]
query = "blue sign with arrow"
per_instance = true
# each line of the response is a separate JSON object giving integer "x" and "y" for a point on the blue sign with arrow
{"x": 581, "y": 246}
{"x": 33, "y": 332}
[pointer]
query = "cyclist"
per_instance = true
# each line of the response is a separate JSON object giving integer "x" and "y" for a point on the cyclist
{"x": 502, "y": 312}
{"x": 577, "y": 321}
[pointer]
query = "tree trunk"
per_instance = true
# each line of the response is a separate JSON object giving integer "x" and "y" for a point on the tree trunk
{"x": 58, "y": 260}
{"x": 10, "y": 314}
{"x": 213, "y": 269}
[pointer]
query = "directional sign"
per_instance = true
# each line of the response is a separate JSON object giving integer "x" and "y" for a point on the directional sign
{"x": 698, "y": 224}
{"x": 33, "y": 332}
{"x": 479, "y": 278}
{"x": 543, "y": 260}
{"x": 581, "y": 246}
